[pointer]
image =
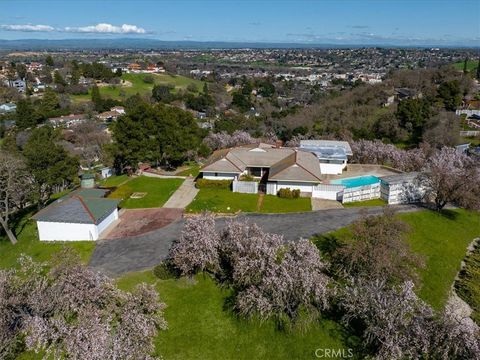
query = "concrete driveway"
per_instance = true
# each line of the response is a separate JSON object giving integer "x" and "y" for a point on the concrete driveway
{"x": 118, "y": 256}
{"x": 184, "y": 195}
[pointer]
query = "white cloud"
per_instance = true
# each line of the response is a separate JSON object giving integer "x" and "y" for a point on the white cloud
{"x": 27, "y": 28}
{"x": 107, "y": 29}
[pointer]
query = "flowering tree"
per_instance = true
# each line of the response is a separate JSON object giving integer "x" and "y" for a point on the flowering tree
{"x": 451, "y": 176}
{"x": 377, "y": 249}
{"x": 196, "y": 250}
{"x": 270, "y": 278}
{"x": 223, "y": 140}
{"x": 399, "y": 325}
{"x": 70, "y": 311}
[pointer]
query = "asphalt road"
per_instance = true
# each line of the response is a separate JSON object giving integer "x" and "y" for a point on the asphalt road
{"x": 117, "y": 256}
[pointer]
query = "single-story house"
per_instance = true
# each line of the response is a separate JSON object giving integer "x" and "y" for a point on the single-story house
{"x": 68, "y": 120}
{"x": 332, "y": 154}
{"x": 275, "y": 167}
{"x": 8, "y": 107}
{"x": 81, "y": 215}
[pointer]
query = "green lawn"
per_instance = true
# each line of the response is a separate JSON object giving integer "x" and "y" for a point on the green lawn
{"x": 158, "y": 191}
{"x": 468, "y": 284}
{"x": 226, "y": 201}
{"x": 121, "y": 91}
{"x": 193, "y": 170}
{"x": 443, "y": 240}
{"x": 373, "y": 202}
{"x": 28, "y": 243}
{"x": 275, "y": 204}
{"x": 114, "y": 180}
{"x": 223, "y": 201}
{"x": 471, "y": 65}
{"x": 200, "y": 326}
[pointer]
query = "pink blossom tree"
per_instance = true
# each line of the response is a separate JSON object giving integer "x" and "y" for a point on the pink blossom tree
{"x": 451, "y": 177}
{"x": 223, "y": 140}
{"x": 70, "y": 311}
{"x": 197, "y": 248}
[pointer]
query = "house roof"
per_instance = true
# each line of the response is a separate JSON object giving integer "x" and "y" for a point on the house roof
{"x": 399, "y": 178}
{"x": 284, "y": 163}
{"x": 83, "y": 206}
{"x": 327, "y": 148}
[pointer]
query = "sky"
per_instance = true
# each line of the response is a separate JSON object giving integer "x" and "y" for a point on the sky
{"x": 372, "y": 22}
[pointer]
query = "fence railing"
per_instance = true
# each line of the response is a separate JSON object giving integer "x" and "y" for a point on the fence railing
{"x": 245, "y": 187}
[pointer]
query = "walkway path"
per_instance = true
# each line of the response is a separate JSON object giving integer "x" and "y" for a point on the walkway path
{"x": 184, "y": 195}
{"x": 127, "y": 254}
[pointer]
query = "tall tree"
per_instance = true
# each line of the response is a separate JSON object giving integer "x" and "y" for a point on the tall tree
{"x": 53, "y": 169}
{"x": 15, "y": 188}
{"x": 26, "y": 115}
{"x": 49, "y": 60}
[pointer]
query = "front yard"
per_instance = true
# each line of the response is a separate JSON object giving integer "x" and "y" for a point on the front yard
{"x": 226, "y": 201}
{"x": 150, "y": 192}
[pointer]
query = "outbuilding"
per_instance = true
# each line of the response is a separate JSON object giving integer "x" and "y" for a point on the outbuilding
{"x": 81, "y": 215}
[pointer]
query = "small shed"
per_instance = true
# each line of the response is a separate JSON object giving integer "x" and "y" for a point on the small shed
{"x": 87, "y": 181}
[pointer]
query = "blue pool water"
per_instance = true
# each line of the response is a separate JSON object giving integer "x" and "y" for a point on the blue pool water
{"x": 357, "y": 181}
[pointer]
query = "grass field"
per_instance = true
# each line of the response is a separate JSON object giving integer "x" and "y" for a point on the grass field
{"x": 471, "y": 65}
{"x": 114, "y": 180}
{"x": 274, "y": 204}
{"x": 28, "y": 243}
{"x": 122, "y": 91}
{"x": 373, "y": 202}
{"x": 200, "y": 326}
{"x": 158, "y": 191}
{"x": 468, "y": 284}
{"x": 223, "y": 201}
{"x": 442, "y": 238}
{"x": 226, "y": 201}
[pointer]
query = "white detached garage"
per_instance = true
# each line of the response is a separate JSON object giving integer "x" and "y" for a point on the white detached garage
{"x": 82, "y": 215}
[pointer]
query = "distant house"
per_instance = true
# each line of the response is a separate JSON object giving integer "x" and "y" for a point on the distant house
{"x": 118, "y": 109}
{"x": 67, "y": 121}
{"x": 83, "y": 214}
{"x": 276, "y": 168}
{"x": 108, "y": 116}
{"x": 8, "y": 107}
{"x": 134, "y": 67}
{"x": 332, "y": 155}
{"x": 19, "y": 85}
{"x": 463, "y": 148}
{"x": 407, "y": 93}
{"x": 106, "y": 172}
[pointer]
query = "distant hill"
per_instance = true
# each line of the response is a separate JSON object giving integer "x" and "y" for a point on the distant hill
{"x": 146, "y": 44}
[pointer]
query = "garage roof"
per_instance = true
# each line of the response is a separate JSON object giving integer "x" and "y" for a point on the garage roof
{"x": 78, "y": 209}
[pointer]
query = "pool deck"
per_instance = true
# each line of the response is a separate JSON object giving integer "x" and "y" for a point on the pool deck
{"x": 354, "y": 170}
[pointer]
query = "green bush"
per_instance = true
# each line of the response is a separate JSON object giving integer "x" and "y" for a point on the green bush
{"x": 164, "y": 271}
{"x": 468, "y": 284}
{"x": 247, "y": 178}
{"x": 288, "y": 193}
{"x": 213, "y": 184}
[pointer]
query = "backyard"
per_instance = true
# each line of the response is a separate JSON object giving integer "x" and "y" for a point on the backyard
{"x": 144, "y": 192}
{"x": 133, "y": 84}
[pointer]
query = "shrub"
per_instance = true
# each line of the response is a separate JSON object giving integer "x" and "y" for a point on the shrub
{"x": 213, "y": 184}
{"x": 247, "y": 178}
{"x": 289, "y": 193}
{"x": 164, "y": 271}
{"x": 148, "y": 79}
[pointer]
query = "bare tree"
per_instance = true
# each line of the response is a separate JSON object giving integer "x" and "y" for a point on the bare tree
{"x": 90, "y": 140}
{"x": 15, "y": 188}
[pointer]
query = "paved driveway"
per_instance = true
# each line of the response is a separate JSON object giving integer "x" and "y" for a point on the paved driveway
{"x": 184, "y": 195}
{"x": 118, "y": 256}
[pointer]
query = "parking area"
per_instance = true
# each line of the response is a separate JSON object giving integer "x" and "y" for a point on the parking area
{"x": 134, "y": 222}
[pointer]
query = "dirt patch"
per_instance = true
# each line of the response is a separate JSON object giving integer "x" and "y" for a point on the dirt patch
{"x": 134, "y": 222}
{"x": 138, "y": 195}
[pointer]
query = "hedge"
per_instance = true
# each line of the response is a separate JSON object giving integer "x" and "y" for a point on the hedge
{"x": 213, "y": 184}
{"x": 288, "y": 193}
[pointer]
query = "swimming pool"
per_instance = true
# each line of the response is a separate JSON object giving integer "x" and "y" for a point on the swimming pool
{"x": 357, "y": 181}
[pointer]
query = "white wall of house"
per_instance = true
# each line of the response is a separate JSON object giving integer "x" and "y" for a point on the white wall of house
{"x": 303, "y": 187}
{"x": 107, "y": 221}
{"x": 335, "y": 169}
{"x": 328, "y": 192}
{"x": 52, "y": 231}
{"x": 60, "y": 231}
{"x": 219, "y": 176}
{"x": 403, "y": 193}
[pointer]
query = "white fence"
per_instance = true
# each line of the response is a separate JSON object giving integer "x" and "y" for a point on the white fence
{"x": 470, "y": 133}
{"x": 328, "y": 191}
{"x": 246, "y": 187}
{"x": 271, "y": 188}
{"x": 361, "y": 193}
